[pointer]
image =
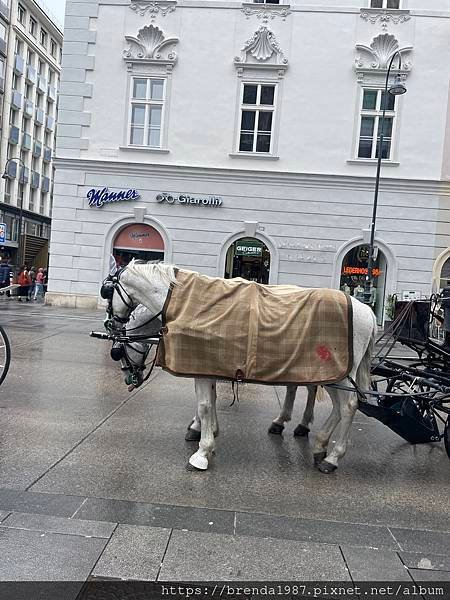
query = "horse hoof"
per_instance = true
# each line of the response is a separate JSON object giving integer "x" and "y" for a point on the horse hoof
{"x": 192, "y": 435}
{"x": 199, "y": 463}
{"x": 301, "y": 431}
{"x": 326, "y": 467}
{"x": 276, "y": 428}
{"x": 318, "y": 458}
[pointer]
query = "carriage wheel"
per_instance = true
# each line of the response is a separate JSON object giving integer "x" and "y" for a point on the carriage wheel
{"x": 5, "y": 354}
{"x": 447, "y": 436}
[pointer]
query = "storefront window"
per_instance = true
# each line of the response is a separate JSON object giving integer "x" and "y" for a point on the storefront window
{"x": 138, "y": 241}
{"x": 248, "y": 258}
{"x": 445, "y": 275}
{"x": 353, "y": 277}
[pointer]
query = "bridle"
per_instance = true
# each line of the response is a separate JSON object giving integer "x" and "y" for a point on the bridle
{"x": 120, "y": 349}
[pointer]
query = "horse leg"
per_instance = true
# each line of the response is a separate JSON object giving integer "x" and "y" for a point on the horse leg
{"x": 348, "y": 403}
{"x": 193, "y": 433}
{"x": 323, "y": 436}
{"x": 204, "y": 389}
{"x": 285, "y": 415}
{"x": 308, "y": 416}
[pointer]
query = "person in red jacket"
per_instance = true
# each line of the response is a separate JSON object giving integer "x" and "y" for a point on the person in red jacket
{"x": 24, "y": 280}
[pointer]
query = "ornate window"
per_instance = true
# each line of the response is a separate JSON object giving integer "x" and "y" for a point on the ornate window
{"x": 372, "y": 102}
{"x": 146, "y": 112}
{"x": 385, "y": 4}
{"x": 257, "y": 117}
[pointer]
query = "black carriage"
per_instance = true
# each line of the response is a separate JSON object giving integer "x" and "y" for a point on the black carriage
{"x": 411, "y": 373}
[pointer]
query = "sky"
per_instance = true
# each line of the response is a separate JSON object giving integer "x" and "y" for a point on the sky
{"x": 57, "y": 7}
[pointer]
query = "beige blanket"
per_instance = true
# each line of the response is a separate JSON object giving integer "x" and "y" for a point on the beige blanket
{"x": 241, "y": 330}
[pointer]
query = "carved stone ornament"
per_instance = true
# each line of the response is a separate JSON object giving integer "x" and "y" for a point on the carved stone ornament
{"x": 265, "y": 12}
{"x": 262, "y": 46}
{"x": 381, "y": 50}
{"x": 154, "y": 8}
{"x": 150, "y": 44}
{"x": 385, "y": 17}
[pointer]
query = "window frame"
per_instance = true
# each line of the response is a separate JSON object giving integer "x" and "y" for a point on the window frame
{"x": 32, "y": 26}
{"x": 43, "y": 38}
{"x": 384, "y": 5}
{"x": 53, "y": 48}
{"x": 377, "y": 114}
{"x": 21, "y": 14}
{"x": 147, "y": 102}
{"x": 258, "y": 107}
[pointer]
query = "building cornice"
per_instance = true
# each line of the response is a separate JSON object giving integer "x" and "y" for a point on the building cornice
{"x": 245, "y": 176}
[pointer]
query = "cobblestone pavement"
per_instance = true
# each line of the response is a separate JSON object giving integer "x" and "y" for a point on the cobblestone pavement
{"x": 93, "y": 481}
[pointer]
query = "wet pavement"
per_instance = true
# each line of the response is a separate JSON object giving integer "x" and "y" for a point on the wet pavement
{"x": 93, "y": 480}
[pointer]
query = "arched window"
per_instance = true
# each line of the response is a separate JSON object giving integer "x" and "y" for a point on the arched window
{"x": 248, "y": 258}
{"x": 140, "y": 241}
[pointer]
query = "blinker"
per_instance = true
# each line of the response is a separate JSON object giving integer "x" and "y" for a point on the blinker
{"x": 117, "y": 352}
{"x": 107, "y": 290}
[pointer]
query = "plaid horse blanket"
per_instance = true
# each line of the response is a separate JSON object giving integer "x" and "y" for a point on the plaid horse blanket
{"x": 240, "y": 330}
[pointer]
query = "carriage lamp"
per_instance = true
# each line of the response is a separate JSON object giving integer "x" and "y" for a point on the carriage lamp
{"x": 398, "y": 88}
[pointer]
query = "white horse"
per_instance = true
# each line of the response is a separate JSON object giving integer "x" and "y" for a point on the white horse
{"x": 133, "y": 355}
{"x": 149, "y": 284}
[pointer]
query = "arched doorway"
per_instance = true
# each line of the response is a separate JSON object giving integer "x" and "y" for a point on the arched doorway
{"x": 444, "y": 279}
{"x": 248, "y": 258}
{"x": 353, "y": 276}
{"x": 138, "y": 241}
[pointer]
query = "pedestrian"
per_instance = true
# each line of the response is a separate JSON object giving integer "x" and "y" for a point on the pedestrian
{"x": 45, "y": 281}
{"x": 24, "y": 280}
{"x": 39, "y": 284}
{"x": 5, "y": 271}
{"x": 32, "y": 274}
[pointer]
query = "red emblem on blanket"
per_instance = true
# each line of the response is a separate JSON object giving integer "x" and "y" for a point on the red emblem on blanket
{"x": 323, "y": 353}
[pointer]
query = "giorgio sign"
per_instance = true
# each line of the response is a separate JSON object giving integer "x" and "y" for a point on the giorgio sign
{"x": 99, "y": 197}
{"x": 213, "y": 201}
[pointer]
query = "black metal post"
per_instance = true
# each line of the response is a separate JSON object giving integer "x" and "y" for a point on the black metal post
{"x": 19, "y": 231}
{"x": 370, "y": 260}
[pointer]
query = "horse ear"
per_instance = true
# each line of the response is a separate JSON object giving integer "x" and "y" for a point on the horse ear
{"x": 112, "y": 265}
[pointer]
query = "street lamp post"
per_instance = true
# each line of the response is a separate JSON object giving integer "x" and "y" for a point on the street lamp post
{"x": 21, "y": 181}
{"x": 396, "y": 90}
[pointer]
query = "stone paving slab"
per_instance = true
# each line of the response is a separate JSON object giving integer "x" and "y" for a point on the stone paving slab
{"x": 214, "y": 557}
{"x": 420, "y": 575}
{"x": 133, "y": 553}
{"x": 35, "y": 556}
{"x": 35, "y": 502}
{"x": 369, "y": 564}
{"x": 415, "y": 540}
{"x": 310, "y": 530}
{"x": 423, "y": 560}
{"x": 49, "y": 524}
{"x": 139, "y": 513}
{"x": 3, "y": 515}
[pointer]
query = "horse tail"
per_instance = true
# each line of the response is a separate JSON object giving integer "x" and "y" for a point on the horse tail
{"x": 363, "y": 379}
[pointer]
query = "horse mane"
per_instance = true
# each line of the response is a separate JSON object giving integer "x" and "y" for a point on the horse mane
{"x": 154, "y": 272}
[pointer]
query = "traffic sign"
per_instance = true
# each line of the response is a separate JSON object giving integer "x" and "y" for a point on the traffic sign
{"x": 2, "y": 233}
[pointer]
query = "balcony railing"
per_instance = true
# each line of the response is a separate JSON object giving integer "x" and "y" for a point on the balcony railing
{"x": 19, "y": 65}
{"x": 45, "y": 184}
{"x": 26, "y": 141}
{"x": 14, "y": 134}
{"x": 16, "y": 99}
{"x": 31, "y": 75}
{"x": 47, "y": 154}
{"x": 37, "y": 149}
{"x": 40, "y": 116}
{"x": 35, "y": 179}
{"x": 28, "y": 108}
{"x": 50, "y": 123}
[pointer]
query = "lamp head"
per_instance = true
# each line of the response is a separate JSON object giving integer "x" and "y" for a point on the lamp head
{"x": 398, "y": 87}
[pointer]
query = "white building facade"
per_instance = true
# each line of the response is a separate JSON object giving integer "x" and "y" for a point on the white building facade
{"x": 240, "y": 139}
{"x": 30, "y": 78}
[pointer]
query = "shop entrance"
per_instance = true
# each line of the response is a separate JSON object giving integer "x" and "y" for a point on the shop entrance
{"x": 353, "y": 276}
{"x": 248, "y": 258}
{"x": 138, "y": 241}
